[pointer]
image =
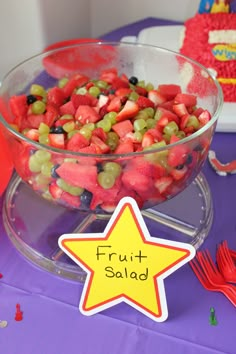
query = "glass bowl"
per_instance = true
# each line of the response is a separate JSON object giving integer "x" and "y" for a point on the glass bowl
{"x": 152, "y": 163}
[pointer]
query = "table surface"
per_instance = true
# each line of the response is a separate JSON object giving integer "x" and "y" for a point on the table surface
{"x": 52, "y": 323}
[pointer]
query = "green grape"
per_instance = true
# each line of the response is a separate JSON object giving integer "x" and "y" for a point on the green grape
{"x": 141, "y": 83}
{"x": 138, "y": 136}
{"x": 113, "y": 167}
{"x": 70, "y": 159}
{"x": 180, "y": 134}
{"x": 34, "y": 164}
{"x": 42, "y": 156}
{"x": 171, "y": 128}
{"x": 68, "y": 127}
{"x": 105, "y": 124}
{"x": 67, "y": 116}
{"x": 133, "y": 96}
{"x": 193, "y": 122}
{"x": 102, "y": 84}
{"x": 158, "y": 114}
{"x": 38, "y": 107}
{"x": 62, "y": 82}
{"x": 94, "y": 91}
{"x": 72, "y": 133}
{"x": 43, "y": 139}
{"x": 41, "y": 180}
{"x": 142, "y": 114}
{"x": 150, "y": 112}
{"x": 37, "y": 90}
{"x": 86, "y": 132}
{"x": 139, "y": 124}
{"x": 112, "y": 140}
{"x": 81, "y": 91}
{"x": 43, "y": 128}
{"x": 149, "y": 86}
{"x": 111, "y": 117}
{"x": 151, "y": 123}
{"x": 46, "y": 168}
{"x": 106, "y": 179}
{"x": 76, "y": 191}
{"x": 90, "y": 126}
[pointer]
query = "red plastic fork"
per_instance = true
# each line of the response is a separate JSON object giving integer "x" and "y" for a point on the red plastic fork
{"x": 225, "y": 262}
{"x": 209, "y": 276}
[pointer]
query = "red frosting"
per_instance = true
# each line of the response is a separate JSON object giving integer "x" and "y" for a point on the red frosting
{"x": 196, "y": 46}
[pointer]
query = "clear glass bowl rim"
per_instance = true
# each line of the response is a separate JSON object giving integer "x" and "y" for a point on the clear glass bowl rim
{"x": 115, "y": 156}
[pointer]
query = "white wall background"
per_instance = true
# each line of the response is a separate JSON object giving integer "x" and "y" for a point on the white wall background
{"x": 109, "y": 14}
{"x": 28, "y": 26}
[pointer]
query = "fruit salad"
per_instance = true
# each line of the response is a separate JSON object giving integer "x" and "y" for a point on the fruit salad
{"x": 96, "y": 140}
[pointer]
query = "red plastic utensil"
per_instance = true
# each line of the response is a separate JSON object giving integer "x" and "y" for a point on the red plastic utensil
{"x": 209, "y": 276}
{"x": 225, "y": 262}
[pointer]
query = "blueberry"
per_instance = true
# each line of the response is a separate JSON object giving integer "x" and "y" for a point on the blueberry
{"x": 54, "y": 171}
{"x": 111, "y": 91}
{"x": 99, "y": 167}
{"x": 179, "y": 167}
{"x": 189, "y": 159}
{"x": 57, "y": 130}
{"x": 86, "y": 198}
{"x": 133, "y": 80}
{"x": 31, "y": 99}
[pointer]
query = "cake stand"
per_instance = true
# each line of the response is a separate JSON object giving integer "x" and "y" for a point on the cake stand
{"x": 34, "y": 224}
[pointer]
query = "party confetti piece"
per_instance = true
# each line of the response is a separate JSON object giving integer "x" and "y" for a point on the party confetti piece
{"x": 212, "y": 318}
{"x": 3, "y": 324}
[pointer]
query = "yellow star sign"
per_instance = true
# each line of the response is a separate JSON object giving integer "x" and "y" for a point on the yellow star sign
{"x": 124, "y": 263}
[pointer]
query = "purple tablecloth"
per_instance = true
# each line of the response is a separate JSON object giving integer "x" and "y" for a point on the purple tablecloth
{"x": 52, "y": 323}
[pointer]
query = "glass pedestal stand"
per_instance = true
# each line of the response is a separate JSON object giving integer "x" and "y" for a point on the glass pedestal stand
{"x": 34, "y": 224}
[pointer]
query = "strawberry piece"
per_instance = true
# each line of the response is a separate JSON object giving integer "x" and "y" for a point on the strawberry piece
{"x": 78, "y": 100}
{"x": 129, "y": 110}
{"x": 33, "y": 121}
{"x": 102, "y": 101}
{"x": 51, "y": 115}
{"x": 118, "y": 83}
{"x": 123, "y": 128}
{"x": 135, "y": 181}
{"x": 57, "y": 140}
{"x": 109, "y": 75}
{"x": 169, "y": 91}
{"x": 55, "y": 96}
{"x": 76, "y": 142}
{"x": 156, "y": 97}
{"x": 99, "y": 132}
{"x": 114, "y": 105}
{"x": 187, "y": 99}
{"x": 204, "y": 117}
{"x": 32, "y": 134}
{"x": 177, "y": 155}
{"x": 100, "y": 143}
{"x": 71, "y": 200}
{"x": 55, "y": 191}
{"x": 124, "y": 91}
{"x": 184, "y": 120}
{"x": 125, "y": 147}
{"x": 67, "y": 108}
{"x": 148, "y": 140}
{"x": 84, "y": 176}
{"x": 74, "y": 82}
{"x": 180, "y": 109}
{"x": 86, "y": 114}
{"x": 144, "y": 102}
{"x": 163, "y": 183}
{"x": 141, "y": 91}
{"x": 179, "y": 173}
